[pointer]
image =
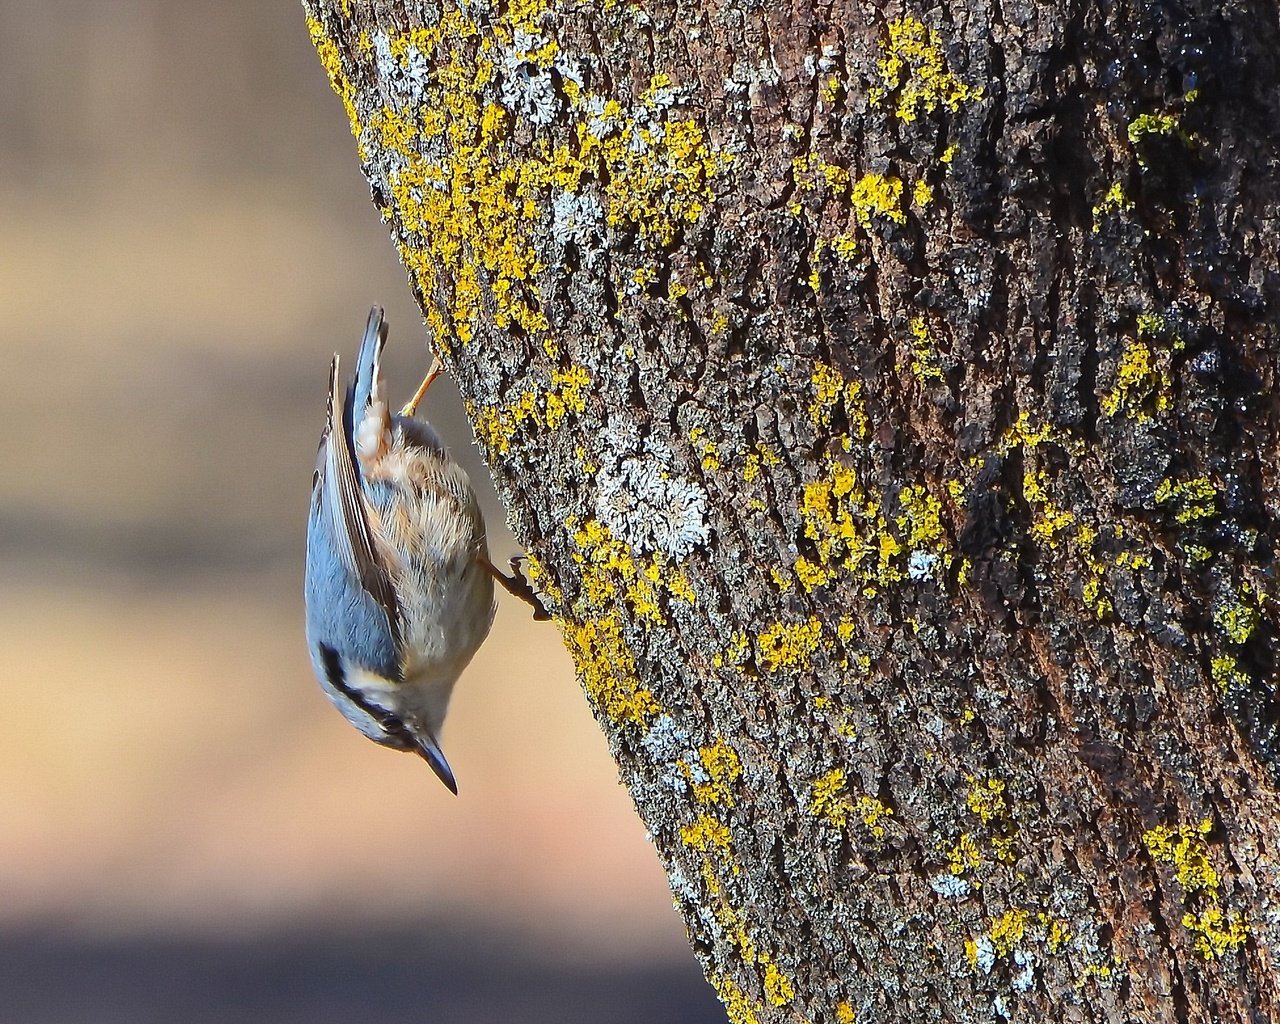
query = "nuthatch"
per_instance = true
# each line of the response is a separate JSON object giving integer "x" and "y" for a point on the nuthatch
{"x": 399, "y": 586}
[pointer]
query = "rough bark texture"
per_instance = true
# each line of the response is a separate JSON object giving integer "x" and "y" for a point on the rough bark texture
{"x": 886, "y": 397}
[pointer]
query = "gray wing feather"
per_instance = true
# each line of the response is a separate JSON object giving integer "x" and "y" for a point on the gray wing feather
{"x": 345, "y": 510}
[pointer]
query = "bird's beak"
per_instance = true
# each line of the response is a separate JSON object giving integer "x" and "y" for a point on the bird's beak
{"x": 429, "y": 750}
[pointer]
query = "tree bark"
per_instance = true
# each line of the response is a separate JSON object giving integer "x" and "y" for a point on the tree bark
{"x": 886, "y": 399}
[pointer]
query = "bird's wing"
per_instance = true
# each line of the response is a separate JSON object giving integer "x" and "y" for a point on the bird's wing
{"x": 346, "y": 510}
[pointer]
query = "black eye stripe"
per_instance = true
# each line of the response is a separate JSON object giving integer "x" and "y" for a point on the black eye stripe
{"x": 394, "y": 728}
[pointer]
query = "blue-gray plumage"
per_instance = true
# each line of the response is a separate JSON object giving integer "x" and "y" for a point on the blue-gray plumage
{"x": 399, "y": 586}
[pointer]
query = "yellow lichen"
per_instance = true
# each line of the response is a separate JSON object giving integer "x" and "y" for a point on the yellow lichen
{"x": 913, "y": 67}
{"x": 1226, "y": 672}
{"x": 875, "y": 195}
{"x": 395, "y": 131}
{"x": 707, "y": 834}
{"x": 920, "y": 518}
{"x": 1114, "y": 203}
{"x": 607, "y": 670}
{"x": 848, "y": 531}
{"x": 812, "y": 575}
{"x": 1007, "y": 931}
{"x": 845, "y": 247}
{"x": 924, "y": 355}
{"x": 1237, "y": 619}
{"x": 1216, "y": 934}
{"x": 789, "y": 646}
{"x": 675, "y": 581}
{"x": 569, "y": 388}
{"x": 873, "y": 812}
{"x": 1193, "y": 500}
{"x": 1091, "y": 591}
{"x": 1153, "y": 124}
{"x": 1184, "y": 847}
{"x": 657, "y": 183}
{"x": 1003, "y": 847}
{"x": 828, "y": 799}
{"x": 777, "y": 986}
{"x": 497, "y": 427}
{"x": 644, "y": 275}
{"x": 736, "y": 653}
{"x": 722, "y": 768}
{"x": 964, "y": 855}
{"x": 331, "y": 60}
{"x": 1052, "y": 523}
{"x": 1024, "y": 434}
{"x": 1132, "y": 560}
{"x": 1059, "y": 935}
{"x": 1050, "y": 520}
{"x": 1143, "y": 382}
{"x": 611, "y": 572}
{"x": 541, "y": 579}
{"x": 837, "y": 178}
{"x": 706, "y": 448}
{"x": 737, "y": 1006}
{"x": 828, "y": 387}
{"x": 830, "y": 390}
{"x": 986, "y": 799}
{"x": 471, "y": 201}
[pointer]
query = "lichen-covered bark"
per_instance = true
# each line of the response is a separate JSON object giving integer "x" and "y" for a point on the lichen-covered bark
{"x": 886, "y": 397}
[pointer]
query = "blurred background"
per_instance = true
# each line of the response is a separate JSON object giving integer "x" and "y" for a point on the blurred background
{"x": 188, "y": 832}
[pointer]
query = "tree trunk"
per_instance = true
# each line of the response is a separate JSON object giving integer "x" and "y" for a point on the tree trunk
{"x": 886, "y": 400}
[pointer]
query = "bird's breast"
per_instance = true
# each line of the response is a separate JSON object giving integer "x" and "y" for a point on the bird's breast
{"x": 433, "y": 532}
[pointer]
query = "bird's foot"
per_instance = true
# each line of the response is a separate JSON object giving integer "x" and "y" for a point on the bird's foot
{"x": 518, "y": 585}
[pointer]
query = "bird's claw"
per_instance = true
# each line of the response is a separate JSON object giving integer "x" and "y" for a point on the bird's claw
{"x": 523, "y": 589}
{"x": 517, "y": 585}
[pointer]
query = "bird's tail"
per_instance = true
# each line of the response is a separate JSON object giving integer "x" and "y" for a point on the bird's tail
{"x": 365, "y": 385}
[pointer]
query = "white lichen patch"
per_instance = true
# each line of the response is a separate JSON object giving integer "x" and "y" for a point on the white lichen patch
{"x": 1025, "y": 978}
{"x": 527, "y": 87}
{"x": 950, "y": 886}
{"x": 681, "y": 887}
{"x": 921, "y": 564}
{"x": 401, "y": 77}
{"x": 578, "y": 219}
{"x": 668, "y": 746}
{"x": 530, "y": 93}
{"x": 984, "y": 955}
{"x": 644, "y": 500}
{"x": 665, "y": 740}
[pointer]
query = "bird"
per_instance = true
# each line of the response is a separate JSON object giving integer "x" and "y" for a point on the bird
{"x": 398, "y": 583}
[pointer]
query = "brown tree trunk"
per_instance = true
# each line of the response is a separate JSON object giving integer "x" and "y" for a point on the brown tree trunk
{"x": 886, "y": 397}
